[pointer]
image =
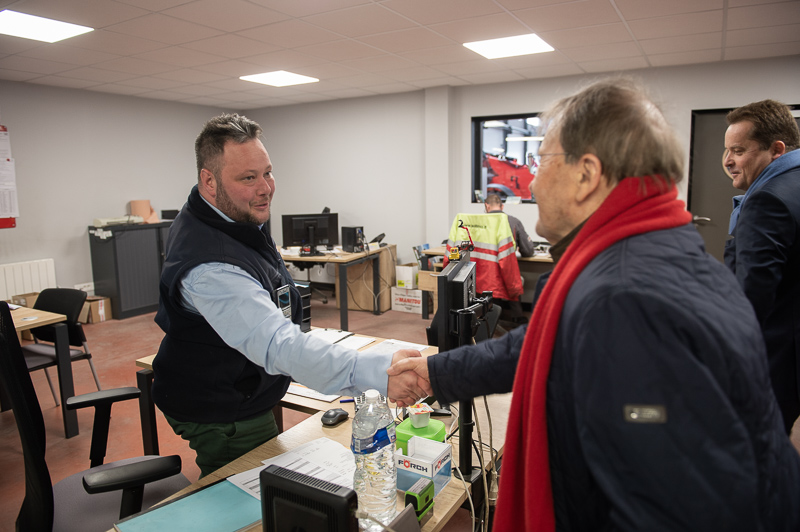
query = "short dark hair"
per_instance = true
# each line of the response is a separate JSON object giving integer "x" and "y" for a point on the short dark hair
{"x": 493, "y": 199}
{"x": 771, "y": 121}
{"x": 210, "y": 143}
{"x": 615, "y": 120}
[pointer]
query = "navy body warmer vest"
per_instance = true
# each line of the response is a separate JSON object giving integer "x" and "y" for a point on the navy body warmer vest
{"x": 199, "y": 378}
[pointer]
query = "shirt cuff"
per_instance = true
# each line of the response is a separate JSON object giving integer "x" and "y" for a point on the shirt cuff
{"x": 370, "y": 372}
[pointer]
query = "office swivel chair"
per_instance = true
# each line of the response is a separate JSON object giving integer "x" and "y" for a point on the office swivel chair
{"x": 43, "y": 355}
{"x": 68, "y": 506}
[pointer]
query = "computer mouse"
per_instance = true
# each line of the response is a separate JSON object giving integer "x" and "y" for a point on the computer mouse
{"x": 334, "y": 416}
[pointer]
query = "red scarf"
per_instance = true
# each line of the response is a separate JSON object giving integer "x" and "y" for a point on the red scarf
{"x": 525, "y": 501}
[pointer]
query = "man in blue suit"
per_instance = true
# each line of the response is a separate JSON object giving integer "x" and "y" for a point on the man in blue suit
{"x": 763, "y": 159}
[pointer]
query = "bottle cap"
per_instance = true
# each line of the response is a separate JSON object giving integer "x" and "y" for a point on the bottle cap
{"x": 372, "y": 394}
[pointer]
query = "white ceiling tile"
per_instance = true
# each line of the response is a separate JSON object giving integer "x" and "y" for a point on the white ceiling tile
{"x": 282, "y": 60}
{"x": 773, "y": 34}
{"x": 302, "y": 8}
{"x": 199, "y": 90}
{"x": 469, "y": 67}
{"x": 60, "y": 81}
{"x": 762, "y": 50}
{"x": 363, "y": 80}
{"x": 164, "y": 29}
{"x": 568, "y": 15}
{"x": 685, "y": 58}
{"x": 92, "y": 13}
{"x": 432, "y": 12}
{"x": 361, "y": 20}
{"x": 603, "y": 51}
{"x": 442, "y": 54}
{"x": 232, "y": 84}
{"x": 758, "y": 16}
{"x": 484, "y": 78}
{"x": 163, "y": 95}
{"x": 516, "y": 5}
{"x": 231, "y": 46}
{"x": 685, "y": 43}
{"x": 324, "y": 71}
{"x": 379, "y": 63}
{"x": 225, "y": 15}
{"x": 481, "y": 28}
{"x": 414, "y": 73}
{"x": 532, "y": 60}
{"x": 150, "y": 82}
{"x": 551, "y": 71}
{"x": 449, "y": 81}
{"x": 98, "y": 74}
{"x": 153, "y": 5}
{"x": 68, "y": 54}
{"x": 741, "y": 3}
{"x": 340, "y": 50}
{"x": 118, "y": 89}
{"x": 613, "y": 65}
{"x": 590, "y": 35}
{"x": 133, "y": 65}
{"x": 349, "y": 93}
{"x": 406, "y": 40}
{"x": 113, "y": 43}
{"x": 190, "y": 76}
{"x": 653, "y": 28}
{"x": 231, "y": 69}
{"x": 296, "y": 32}
{"x": 636, "y": 9}
{"x": 29, "y": 64}
{"x": 392, "y": 88}
{"x": 208, "y": 101}
{"x": 179, "y": 56}
{"x": 15, "y": 45}
{"x": 17, "y": 75}
{"x": 308, "y": 97}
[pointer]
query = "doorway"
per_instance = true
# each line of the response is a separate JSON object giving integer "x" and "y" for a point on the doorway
{"x": 711, "y": 192}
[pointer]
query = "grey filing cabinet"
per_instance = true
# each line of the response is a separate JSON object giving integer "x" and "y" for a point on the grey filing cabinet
{"x": 126, "y": 265}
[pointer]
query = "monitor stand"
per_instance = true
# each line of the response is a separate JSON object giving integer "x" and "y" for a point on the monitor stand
{"x": 310, "y": 250}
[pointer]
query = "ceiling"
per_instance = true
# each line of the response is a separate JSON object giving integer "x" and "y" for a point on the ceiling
{"x": 195, "y": 51}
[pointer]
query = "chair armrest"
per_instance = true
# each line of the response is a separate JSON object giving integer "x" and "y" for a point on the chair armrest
{"x": 102, "y": 397}
{"x": 132, "y": 475}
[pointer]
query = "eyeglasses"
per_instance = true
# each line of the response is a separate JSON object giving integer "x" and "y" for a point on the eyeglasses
{"x": 534, "y": 161}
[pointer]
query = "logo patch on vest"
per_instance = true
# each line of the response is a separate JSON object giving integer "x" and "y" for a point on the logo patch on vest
{"x": 645, "y": 413}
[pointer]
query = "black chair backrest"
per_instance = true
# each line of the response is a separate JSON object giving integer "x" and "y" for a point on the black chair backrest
{"x": 67, "y": 301}
{"x": 37, "y": 509}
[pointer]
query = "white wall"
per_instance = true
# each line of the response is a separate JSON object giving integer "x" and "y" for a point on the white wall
{"x": 84, "y": 155}
{"x": 398, "y": 164}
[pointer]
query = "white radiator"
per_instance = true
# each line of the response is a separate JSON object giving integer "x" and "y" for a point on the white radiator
{"x": 26, "y": 277}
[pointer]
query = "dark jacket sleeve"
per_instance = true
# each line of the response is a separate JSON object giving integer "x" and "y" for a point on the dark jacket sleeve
{"x": 524, "y": 242}
{"x": 475, "y": 370}
{"x": 765, "y": 236}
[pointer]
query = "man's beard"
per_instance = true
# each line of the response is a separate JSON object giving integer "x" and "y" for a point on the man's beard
{"x": 226, "y": 205}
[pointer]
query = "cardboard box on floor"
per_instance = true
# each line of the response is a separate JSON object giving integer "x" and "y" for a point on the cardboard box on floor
{"x": 95, "y": 310}
{"x": 25, "y": 300}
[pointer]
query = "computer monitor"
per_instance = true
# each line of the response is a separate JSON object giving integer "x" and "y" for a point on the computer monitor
{"x": 310, "y": 231}
{"x": 292, "y": 501}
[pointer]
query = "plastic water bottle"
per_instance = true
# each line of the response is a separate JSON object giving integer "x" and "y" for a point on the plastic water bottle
{"x": 375, "y": 479}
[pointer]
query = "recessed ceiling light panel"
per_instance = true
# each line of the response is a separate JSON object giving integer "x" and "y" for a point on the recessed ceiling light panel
{"x": 38, "y": 28}
{"x": 279, "y": 78}
{"x": 510, "y": 46}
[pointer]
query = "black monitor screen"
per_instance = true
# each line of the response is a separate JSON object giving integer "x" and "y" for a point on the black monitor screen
{"x": 311, "y": 230}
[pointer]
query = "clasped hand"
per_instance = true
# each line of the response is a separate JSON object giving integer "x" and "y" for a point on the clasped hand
{"x": 408, "y": 377}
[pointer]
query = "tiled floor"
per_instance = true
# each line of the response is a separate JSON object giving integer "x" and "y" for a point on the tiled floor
{"x": 115, "y": 346}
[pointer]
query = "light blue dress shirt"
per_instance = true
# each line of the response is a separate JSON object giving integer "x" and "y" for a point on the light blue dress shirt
{"x": 243, "y": 314}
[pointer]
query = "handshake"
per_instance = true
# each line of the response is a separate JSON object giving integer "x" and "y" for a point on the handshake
{"x": 408, "y": 378}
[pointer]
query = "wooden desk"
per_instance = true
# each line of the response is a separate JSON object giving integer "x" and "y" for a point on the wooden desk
{"x": 147, "y": 411}
{"x": 29, "y": 318}
{"x": 343, "y": 261}
{"x": 445, "y": 504}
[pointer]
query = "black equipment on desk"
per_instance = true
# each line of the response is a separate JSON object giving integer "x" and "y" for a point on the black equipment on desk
{"x": 353, "y": 239}
{"x": 310, "y": 231}
{"x": 460, "y": 309}
{"x": 294, "y": 501}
